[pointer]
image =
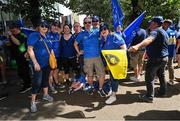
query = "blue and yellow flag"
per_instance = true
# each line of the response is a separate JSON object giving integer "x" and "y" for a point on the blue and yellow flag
{"x": 117, "y": 62}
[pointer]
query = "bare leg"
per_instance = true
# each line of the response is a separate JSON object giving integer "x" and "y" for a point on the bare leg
{"x": 45, "y": 90}
{"x": 90, "y": 80}
{"x": 101, "y": 81}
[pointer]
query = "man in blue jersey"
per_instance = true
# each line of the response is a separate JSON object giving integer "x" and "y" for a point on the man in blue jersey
{"x": 92, "y": 56}
{"x": 157, "y": 50}
{"x": 171, "y": 48}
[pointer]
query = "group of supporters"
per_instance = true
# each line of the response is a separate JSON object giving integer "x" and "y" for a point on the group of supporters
{"x": 81, "y": 53}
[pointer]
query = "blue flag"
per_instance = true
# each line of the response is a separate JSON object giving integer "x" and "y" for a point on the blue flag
{"x": 20, "y": 22}
{"x": 117, "y": 14}
{"x": 27, "y": 31}
{"x": 129, "y": 32}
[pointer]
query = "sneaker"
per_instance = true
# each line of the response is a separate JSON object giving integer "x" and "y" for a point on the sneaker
{"x": 3, "y": 96}
{"x": 33, "y": 107}
{"x": 133, "y": 78}
{"x": 90, "y": 90}
{"x": 170, "y": 82}
{"x": 146, "y": 98}
{"x": 48, "y": 98}
{"x": 53, "y": 91}
{"x": 70, "y": 91}
{"x": 111, "y": 99}
{"x": 24, "y": 89}
{"x": 61, "y": 86}
{"x": 109, "y": 93}
{"x": 102, "y": 93}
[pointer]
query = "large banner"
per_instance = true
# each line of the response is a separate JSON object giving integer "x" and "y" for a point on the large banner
{"x": 117, "y": 62}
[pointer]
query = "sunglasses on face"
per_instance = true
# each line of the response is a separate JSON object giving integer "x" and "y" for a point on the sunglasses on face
{"x": 104, "y": 29}
{"x": 87, "y": 22}
{"x": 44, "y": 26}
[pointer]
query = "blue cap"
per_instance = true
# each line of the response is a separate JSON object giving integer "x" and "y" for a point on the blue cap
{"x": 43, "y": 23}
{"x": 104, "y": 26}
{"x": 158, "y": 19}
{"x": 95, "y": 18}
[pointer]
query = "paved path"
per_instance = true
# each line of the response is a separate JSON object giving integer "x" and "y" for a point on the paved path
{"x": 81, "y": 106}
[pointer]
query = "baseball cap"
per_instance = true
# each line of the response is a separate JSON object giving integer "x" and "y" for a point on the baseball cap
{"x": 158, "y": 19}
{"x": 43, "y": 23}
{"x": 95, "y": 19}
{"x": 104, "y": 26}
{"x": 168, "y": 21}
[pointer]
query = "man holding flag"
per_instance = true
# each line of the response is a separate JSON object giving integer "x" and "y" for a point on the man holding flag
{"x": 157, "y": 50}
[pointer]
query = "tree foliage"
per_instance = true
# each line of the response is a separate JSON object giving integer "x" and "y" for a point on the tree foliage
{"x": 35, "y": 9}
{"x": 131, "y": 8}
{"x": 32, "y": 9}
{"x": 102, "y": 8}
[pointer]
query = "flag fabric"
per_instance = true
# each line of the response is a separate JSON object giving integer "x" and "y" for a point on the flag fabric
{"x": 129, "y": 32}
{"x": 117, "y": 14}
{"x": 27, "y": 31}
{"x": 117, "y": 62}
{"x": 20, "y": 22}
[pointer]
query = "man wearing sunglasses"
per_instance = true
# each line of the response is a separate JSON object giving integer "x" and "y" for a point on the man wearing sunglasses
{"x": 92, "y": 58}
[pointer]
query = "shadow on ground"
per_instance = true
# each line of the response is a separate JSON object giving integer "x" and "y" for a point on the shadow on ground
{"x": 155, "y": 115}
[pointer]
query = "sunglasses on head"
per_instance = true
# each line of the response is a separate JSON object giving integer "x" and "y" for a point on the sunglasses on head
{"x": 87, "y": 22}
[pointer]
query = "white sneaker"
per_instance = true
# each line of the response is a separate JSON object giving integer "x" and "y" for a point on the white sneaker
{"x": 48, "y": 98}
{"x": 109, "y": 93}
{"x": 111, "y": 99}
{"x": 53, "y": 90}
{"x": 33, "y": 107}
{"x": 133, "y": 78}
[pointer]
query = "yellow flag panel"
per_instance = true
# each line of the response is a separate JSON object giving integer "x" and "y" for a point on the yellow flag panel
{"x": 117, "y": 62}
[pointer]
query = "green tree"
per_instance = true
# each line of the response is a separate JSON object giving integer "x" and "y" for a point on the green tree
{"x": 101, "y": 8}
{"x": 131, "y": 9}
{"x": 32, "y": 9}
{"x": 35, "y": 9}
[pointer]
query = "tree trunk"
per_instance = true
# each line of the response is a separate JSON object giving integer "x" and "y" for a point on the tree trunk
{"x": 34, "y": 12}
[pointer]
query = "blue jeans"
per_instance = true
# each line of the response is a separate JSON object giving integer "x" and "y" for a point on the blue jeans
{"x": 155, "y": 67}
{"x": 40, "y": 79}
{"x": 114, "y": 83}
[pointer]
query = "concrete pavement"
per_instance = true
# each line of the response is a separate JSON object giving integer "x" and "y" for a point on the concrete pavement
{"x": 81, "y": 106}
